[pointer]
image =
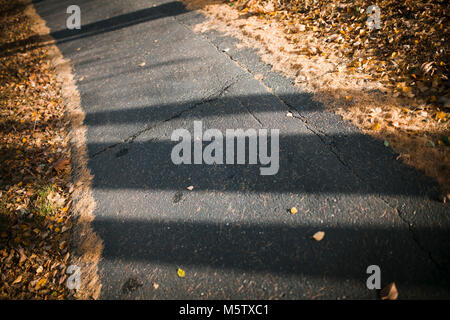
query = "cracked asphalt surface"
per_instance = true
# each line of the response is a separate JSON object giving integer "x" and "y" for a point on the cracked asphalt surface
{"x": 233, "y": 234}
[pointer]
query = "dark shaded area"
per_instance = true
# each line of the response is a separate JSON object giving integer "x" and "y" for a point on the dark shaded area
{"x": 120, "y": 21}
{"x": 131, "y": 285}
{"x": 278, "y": 249}
{"x": 303, "y": 167}
{"x": 103, "y": 26}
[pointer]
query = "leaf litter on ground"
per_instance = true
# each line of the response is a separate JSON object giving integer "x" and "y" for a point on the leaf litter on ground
{"x": 35, "y": 171}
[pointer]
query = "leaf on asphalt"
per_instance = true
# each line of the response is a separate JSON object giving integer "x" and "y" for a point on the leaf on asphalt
{"x": 318, "y": 236}
{"x": 389, "y": 292}
{"x": 181, "y": 273}
{"x": 294, "y": 210}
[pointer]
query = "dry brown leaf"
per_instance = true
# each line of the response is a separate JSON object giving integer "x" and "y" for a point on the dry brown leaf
{"x": 389, "y": 292}
{"x": 61, "y": 164}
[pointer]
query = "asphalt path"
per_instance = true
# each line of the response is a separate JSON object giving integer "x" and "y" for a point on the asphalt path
{"x": 143, "y": 73}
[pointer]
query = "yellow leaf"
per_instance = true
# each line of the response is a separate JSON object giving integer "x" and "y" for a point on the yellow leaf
{"x": 41, "y": 283}
{"x": 440, "y": 115}
{"x": 406, "y": 89}
{"x": 181, "y": 273}
{"x": 376, "y": 127}
{"x": 294, "y": 210}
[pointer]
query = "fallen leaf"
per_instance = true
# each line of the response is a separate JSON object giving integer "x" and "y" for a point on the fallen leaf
{"x": 56, "y": 199}
{"x": 41, "y": 283}
{"x": 440, "y": 115}
{"x": 376, "y": 127}
{"x": 18, "y": 279}
{"x": 389, "y": 292}
{"x": 61, "y": 164}
{"x": 181, "y": 273}
{"x": 318, "y": 236}
{"x": 294, "y": 210}
{"x": 23, "y": 257}
{"x": 190, "y": 188}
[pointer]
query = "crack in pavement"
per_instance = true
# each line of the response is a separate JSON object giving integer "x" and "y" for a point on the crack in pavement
{"x": 410, "y": 225}
{"x": 213, "y": 96}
